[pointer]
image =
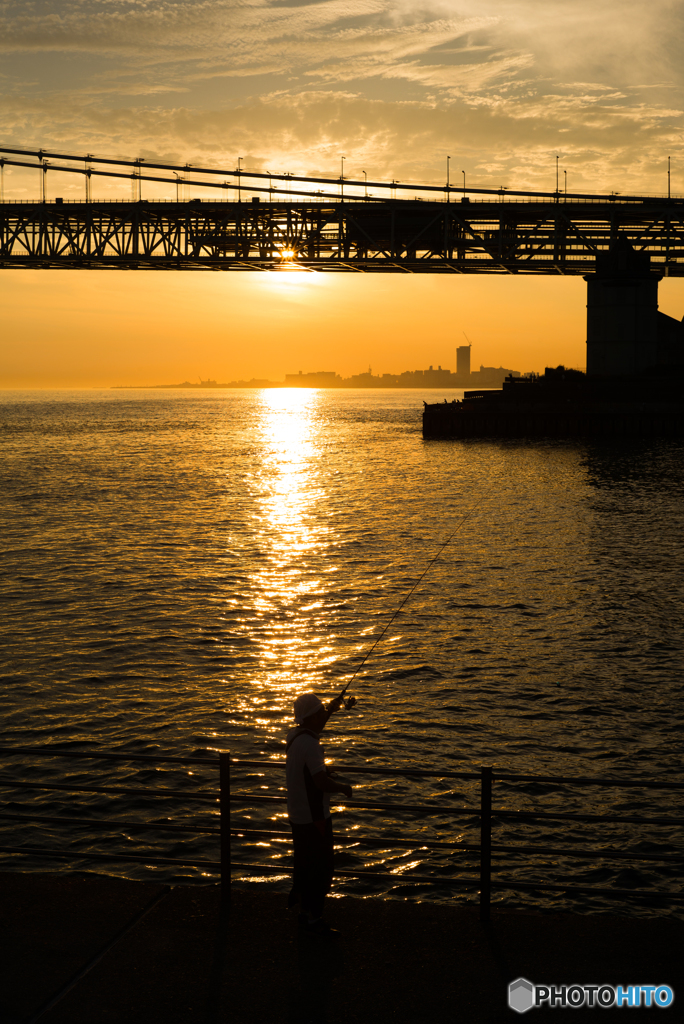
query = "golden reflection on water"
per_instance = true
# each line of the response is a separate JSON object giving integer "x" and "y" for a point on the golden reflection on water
{"x": 288, "y": 594}
{"x": 288, "y": 432}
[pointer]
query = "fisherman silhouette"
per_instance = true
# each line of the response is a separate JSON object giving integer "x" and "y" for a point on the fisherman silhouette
{"x": 308, "y": 787}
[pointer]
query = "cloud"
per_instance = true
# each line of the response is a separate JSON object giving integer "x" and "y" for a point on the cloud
{"x": 612, "y": 43}
{"x": 509, "y": 144}
{"x": 394, "y": 84}
{"x": 461, "y": 79}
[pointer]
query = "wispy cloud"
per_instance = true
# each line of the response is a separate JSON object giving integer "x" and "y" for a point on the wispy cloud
{"x": 393, "y": 84}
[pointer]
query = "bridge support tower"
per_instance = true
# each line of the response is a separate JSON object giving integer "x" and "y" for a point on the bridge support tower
{"x": 622, "y": 314}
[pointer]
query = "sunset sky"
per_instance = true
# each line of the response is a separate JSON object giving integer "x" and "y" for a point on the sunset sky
{"x": 501, "y": 86}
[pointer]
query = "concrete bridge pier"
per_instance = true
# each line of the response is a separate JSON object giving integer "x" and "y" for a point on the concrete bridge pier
{"x": 626, "y": 333}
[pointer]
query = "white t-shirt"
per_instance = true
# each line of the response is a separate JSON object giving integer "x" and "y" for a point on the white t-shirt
{"x": 305, "y": 802}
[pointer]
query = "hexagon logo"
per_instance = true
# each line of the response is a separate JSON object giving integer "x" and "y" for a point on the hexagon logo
{"x": 521, "y": 995}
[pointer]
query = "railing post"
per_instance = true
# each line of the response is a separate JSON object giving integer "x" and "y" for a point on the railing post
{"x": 224, "y": 810}
{"x": 485, "y": 842}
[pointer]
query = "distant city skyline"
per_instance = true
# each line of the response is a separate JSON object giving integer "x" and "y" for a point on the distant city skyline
{"x": 486, "y": 376}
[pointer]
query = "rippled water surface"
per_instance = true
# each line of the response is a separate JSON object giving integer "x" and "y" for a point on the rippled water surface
{"x": 178, "y": 566}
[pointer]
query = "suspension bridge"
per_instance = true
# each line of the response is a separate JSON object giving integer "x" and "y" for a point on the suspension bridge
{"x": 283, "y": 222}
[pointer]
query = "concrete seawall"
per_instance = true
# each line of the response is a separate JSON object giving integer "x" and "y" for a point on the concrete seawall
{"x": 457, "y": 420}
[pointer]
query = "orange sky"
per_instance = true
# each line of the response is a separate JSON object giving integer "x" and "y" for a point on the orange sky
{"x": 95, "y": 329}
{"x": 292, "y": 85}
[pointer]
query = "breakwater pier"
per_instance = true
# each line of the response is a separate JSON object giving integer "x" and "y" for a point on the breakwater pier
{"x": 563, "y": 403}
{"x": 93, "y": 949}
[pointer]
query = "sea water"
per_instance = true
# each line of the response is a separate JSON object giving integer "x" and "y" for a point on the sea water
{"x": 178, "y": 565}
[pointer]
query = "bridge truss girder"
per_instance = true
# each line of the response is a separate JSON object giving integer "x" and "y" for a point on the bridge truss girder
{"x": 397, "y": 236}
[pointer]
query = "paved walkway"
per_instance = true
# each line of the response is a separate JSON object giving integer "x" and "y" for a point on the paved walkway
{"x": 96, "y": 950}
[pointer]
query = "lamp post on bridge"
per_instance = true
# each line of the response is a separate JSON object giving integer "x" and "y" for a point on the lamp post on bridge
{"x": 87, "y": 175}
{"x": 42, "y": 171}
{"x": 138, "y": 162}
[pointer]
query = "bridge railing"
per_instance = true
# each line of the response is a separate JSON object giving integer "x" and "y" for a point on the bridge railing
{"x": 481, "y": 814}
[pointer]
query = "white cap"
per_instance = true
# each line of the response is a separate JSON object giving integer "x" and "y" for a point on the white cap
{"x": 306, "y": 704}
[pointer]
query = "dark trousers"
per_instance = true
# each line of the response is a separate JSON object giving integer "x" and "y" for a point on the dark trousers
{"x": 313, "y": 865}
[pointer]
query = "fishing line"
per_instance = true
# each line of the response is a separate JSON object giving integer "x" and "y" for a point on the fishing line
{"x": 406, "y": 599}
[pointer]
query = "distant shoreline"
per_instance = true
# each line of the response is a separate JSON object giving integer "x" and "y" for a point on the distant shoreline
{"x": 194, "y": 387}
{"x": 485, "y": 377}
{"x": 293, "y": 387}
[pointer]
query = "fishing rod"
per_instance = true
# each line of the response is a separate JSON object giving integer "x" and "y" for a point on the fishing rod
{"x": 351, "y": 701}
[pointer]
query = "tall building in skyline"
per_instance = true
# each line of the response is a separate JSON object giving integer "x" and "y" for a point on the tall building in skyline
{"x": 463, "y": 361}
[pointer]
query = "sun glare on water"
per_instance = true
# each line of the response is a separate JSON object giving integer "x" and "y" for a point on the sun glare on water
{"x": 289, "y": 592}
{"x": 289, "y": 431}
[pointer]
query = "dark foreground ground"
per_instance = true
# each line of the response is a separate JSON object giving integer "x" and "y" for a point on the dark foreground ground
{"x": 94, "y": 950}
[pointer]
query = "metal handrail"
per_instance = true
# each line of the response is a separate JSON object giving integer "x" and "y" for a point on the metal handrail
{"x": 485, "y": 813}
{"x": 365, "y": 769}
{"x": 430, "y": 844}
{"x": 77, "y": 788}
{"x": 579, "y": 780}
{"x": 652, "y": 894}
{"x": 220, "y": 796}
{"x": 77, "y": 855}
{"x": 48, "y": 751}
{"x": 235, "y": 830}
{"x": 347, "y": 873}
{"x": 503, "y": 884}
{"x": 109, "y": 823}
{"x": 507, "y": 776}
{"x": 631, "y": 819}
{"x": 240, "y": 798}
{"x": 575, "y": 780}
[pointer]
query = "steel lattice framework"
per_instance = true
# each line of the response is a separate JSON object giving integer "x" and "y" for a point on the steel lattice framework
{"x": 402, "y": 236}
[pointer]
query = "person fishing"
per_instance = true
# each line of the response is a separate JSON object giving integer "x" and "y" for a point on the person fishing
{"x": 309, "y": 786}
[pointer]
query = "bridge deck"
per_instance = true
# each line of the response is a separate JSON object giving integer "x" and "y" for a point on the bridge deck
{"x": 392, "y": 236}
